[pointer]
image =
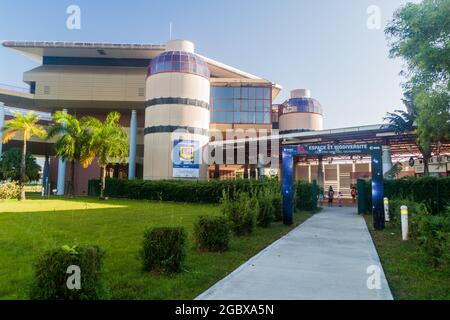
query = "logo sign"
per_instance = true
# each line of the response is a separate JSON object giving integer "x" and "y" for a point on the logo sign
{"x": 332, "y": 149}
{"x": 412, "y": 162}
{"x": 186, "y": 159}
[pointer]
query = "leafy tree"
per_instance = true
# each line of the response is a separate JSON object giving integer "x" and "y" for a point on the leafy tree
{"x": 72, "y": 135}
{"x": 433, "y": 121}
{"x": 402, "y": 122}
{"x": 10, "y": 166}
{"x": 27, "y": 126}
{"x": 420, "y": 35}
{"x": 108, "y": 142}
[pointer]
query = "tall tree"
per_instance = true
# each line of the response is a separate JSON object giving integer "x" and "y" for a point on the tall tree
{"x": 108, "y": 143}
{"x": 402, "y": 122}
{"x": 71, "y": 136}
{"x": 10, "y": 165}
{"x": 27, "y": 126}
{"x": 420, "y": 34}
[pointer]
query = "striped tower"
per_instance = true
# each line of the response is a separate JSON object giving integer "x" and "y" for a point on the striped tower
{"x": 300, "y": 113}
{"x": 177, "y": 113}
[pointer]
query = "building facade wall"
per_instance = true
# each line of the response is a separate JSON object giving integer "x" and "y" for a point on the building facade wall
{"x": 158, "y": 145}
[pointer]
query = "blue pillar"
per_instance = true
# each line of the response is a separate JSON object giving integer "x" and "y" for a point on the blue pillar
{"x": 287, "y": 188}
{"x": 133, "y": 142}
{"x": 61, "y": 174}
{"x": 2, "y": 122}
{"x": 377, "y": 189}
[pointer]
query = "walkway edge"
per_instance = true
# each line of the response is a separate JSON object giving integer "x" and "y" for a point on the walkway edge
{"x": 233, "y": 274}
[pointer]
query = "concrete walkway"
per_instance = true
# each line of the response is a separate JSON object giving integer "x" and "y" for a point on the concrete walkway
{"x": 325, "y": 258}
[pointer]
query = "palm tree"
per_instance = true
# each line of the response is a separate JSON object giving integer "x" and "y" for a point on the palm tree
{"x": 27, "y": 126}
{"x": 108, "y": 142}
{"x": 71, "y": 137}
{"x": 402, "y": 122}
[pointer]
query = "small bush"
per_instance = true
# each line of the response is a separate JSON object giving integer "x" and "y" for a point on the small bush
{"x": 51, "y": 277}
{"x": 266, "y": 211}
{"x": 10, "y": 190}
{"x": 415, "y": 212}
{"x": 434, "y": 236}
{"x": 277, "y": 203}
{"x": 240, "y": 213}
{"x": 164, "y": 249}
{"x": 212, "y": 233}
{"x": 306, "y": 196}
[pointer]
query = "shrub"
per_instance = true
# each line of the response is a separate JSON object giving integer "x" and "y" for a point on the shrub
{"x": 434, "y": 236}
{"x": 164, "y": 249}
{"x": 266, "y": 210}
{"x": 415, "y": 212}
{"x": 277, "y": 203}
{"x": 306, "y": 196}
{"x": 10, "y": 190}
{"x": 51, "y": 277}
{"x": 212, "y": 233}
{"x": 240, "y": 213}
{"x": 178, "y": 190}
{"x": 433, "y": 192}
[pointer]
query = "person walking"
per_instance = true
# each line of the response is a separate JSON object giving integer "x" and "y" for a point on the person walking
{"x": 340, "y": 199}
{"x": 330, "y": 196}
{"x": 354, "y": 194}
{"x": 321, "y": 198}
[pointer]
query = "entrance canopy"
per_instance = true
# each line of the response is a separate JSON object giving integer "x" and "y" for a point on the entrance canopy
{"x": 330, "y": 149}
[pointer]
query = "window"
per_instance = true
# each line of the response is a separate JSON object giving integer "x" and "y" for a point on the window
{"x": 246, "y": 105}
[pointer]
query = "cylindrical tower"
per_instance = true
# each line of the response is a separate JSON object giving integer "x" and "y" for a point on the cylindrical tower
{"x": 177, "y": 114}
{"x": 300, "y": 113}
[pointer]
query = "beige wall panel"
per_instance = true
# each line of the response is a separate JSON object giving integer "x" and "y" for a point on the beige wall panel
{"x": 177, "y": 115}
{"x": 181, "y": 85}
{"x": 306, "y": 121}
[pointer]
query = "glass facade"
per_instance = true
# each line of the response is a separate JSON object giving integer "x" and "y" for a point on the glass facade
{"x": 179, "y": 61}
{"x": 301, "y": 105}
{"x": 245, "y": 105}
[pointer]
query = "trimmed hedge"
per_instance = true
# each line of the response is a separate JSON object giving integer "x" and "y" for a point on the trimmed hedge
{"x": 212, "y": 233}
{"x": 178, "y": 190}
{"x": 433, "y": 192}
{"x": 164, "y": 249}
{"x": 51, "y": 277}
{"x": 306, "y": 196}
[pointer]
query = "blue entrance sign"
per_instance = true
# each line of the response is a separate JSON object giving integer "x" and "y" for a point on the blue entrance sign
{"x": 375, "y": 150}
{"x": 186, "y": 159}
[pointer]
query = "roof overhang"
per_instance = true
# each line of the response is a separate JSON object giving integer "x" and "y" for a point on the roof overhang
{"x": 36, "y": 50}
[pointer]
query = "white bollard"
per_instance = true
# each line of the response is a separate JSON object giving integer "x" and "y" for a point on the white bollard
{"x": 386, "y": 210}
{"x": 404, "y": 214}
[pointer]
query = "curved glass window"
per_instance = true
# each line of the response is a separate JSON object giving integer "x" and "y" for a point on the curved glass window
{"x": 243, "y": 105}
{"x": 179, "y": 61}
{"x": 301, "y": 105}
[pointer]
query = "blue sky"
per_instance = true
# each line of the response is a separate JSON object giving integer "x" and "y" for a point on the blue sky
{"x": 323, "y": 45}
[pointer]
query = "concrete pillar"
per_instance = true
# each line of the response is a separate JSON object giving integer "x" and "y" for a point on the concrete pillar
{"x": 45, "y": 177}
{"x": 387, "y": 158}
{"x": 133, "y": 143}
{"x": 2, "y": 122}
{"x": 216, "y": 171}
{"x": 61, "y": 174}
{"x": 253, "y": 171}
{"x": 246, "y": 172}
{"x": 320, "y": 174}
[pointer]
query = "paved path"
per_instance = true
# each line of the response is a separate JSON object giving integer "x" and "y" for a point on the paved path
{"x": 325, "y": 258}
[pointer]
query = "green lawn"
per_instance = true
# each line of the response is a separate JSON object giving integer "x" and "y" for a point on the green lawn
{"x": 409, "y": 275}
{"x": 27, "y": 228}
